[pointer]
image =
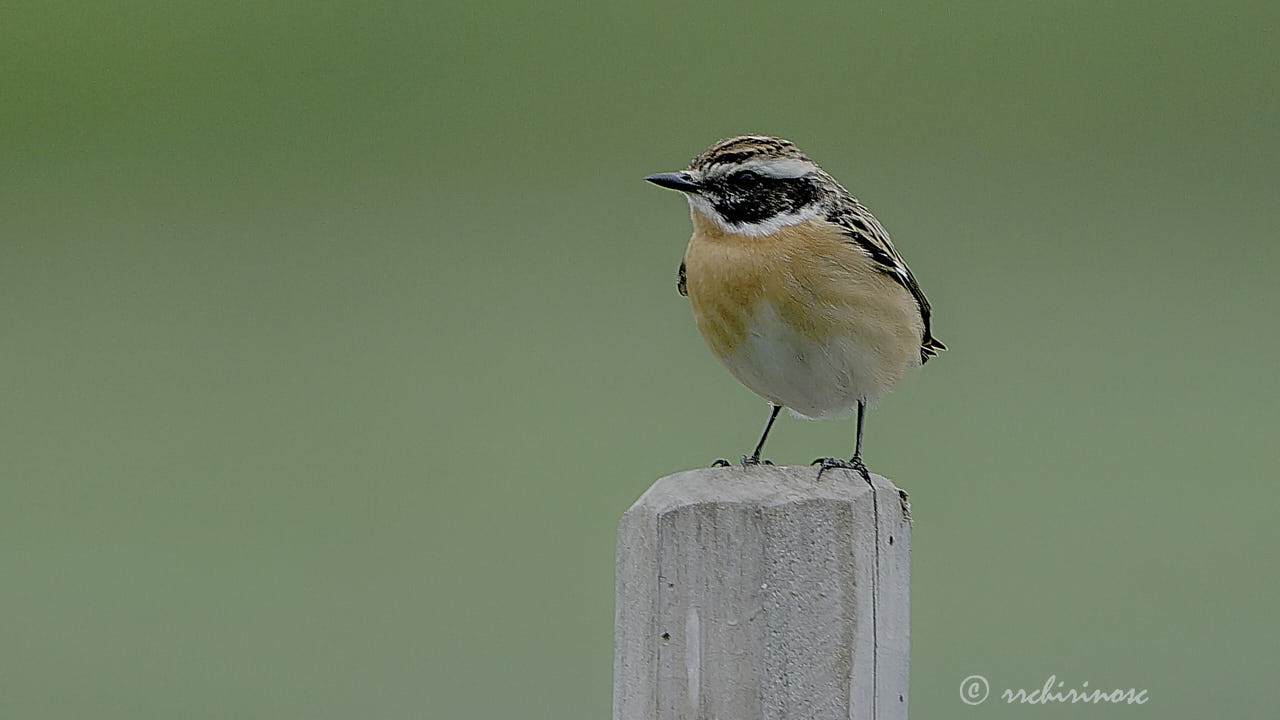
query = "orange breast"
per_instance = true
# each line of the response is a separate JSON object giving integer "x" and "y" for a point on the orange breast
{"x": 846, "y": 325}
{"x": 820, "y": 283}
{"x": 727, "y": 277}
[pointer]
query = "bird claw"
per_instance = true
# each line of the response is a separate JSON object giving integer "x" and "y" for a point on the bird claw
{"x": 854, "y": 464}
{"x": 746, "y": 462}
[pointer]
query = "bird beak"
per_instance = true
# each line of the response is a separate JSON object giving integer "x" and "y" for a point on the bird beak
{"x": 681, "y": 181}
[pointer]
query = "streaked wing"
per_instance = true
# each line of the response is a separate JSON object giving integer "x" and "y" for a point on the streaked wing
{"x": 866, "y": 232}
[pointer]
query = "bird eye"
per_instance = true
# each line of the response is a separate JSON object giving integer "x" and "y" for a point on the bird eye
{"x": 746, "y": 179}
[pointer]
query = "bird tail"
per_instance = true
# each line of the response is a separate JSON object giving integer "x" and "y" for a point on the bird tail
{"x": 930, "y": 348}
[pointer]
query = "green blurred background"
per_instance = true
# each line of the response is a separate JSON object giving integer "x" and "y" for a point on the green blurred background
{"x": 336, "y": 337}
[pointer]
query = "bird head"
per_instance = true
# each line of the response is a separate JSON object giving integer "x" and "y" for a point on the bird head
{"x": 751, "y": 184}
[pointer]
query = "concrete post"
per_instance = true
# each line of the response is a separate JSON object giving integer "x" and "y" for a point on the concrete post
{"x": 763, "y": 593}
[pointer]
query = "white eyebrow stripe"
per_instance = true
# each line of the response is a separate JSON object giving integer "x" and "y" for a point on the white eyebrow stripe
{"x": 780, "y": 167}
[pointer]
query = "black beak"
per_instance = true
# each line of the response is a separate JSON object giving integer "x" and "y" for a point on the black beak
{"x": 681, "y": 181}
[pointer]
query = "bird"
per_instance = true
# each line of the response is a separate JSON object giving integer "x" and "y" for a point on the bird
{"x": 795, "y": 286}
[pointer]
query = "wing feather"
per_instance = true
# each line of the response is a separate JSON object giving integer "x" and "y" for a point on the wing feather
{"x": 862, "y": 228}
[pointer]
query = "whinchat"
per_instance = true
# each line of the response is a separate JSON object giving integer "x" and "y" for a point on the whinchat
{"x": 795, "y": 286}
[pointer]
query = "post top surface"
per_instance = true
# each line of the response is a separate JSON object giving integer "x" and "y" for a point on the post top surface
{"x": 757, "y": 485}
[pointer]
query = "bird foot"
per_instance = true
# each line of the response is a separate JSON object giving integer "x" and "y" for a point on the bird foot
{"x": 854, "y": 464}
{"x": 746, "y": 462}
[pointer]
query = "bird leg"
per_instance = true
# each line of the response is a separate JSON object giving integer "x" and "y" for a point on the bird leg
{"x": 855, "y": 463}
{"x": 755, "y": 455}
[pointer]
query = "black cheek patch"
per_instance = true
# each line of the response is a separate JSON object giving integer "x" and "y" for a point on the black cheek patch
{"x": 773, "y": 197}
{"x": 751, "y": 209}
{"x": 801, "y": 192}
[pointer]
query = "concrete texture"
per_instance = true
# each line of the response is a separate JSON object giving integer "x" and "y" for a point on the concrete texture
{"x": 763, "y": 592}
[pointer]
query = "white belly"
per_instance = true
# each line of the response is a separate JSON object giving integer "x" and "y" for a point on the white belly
{"x": 812, "y": 378}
